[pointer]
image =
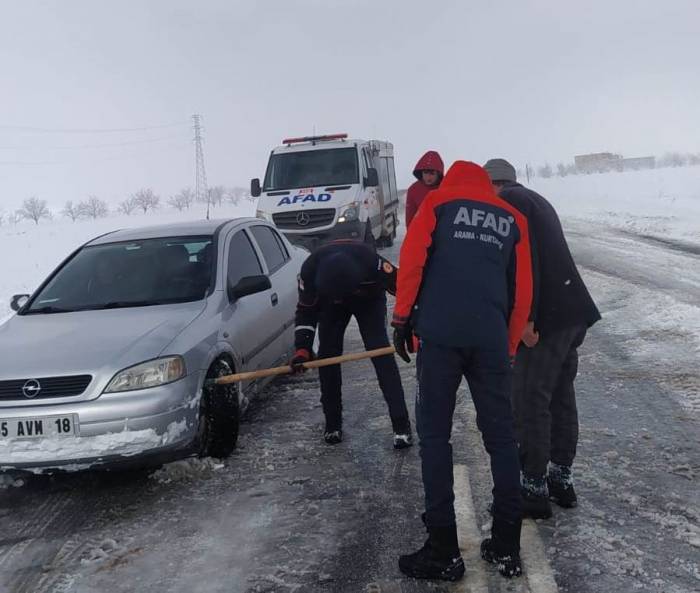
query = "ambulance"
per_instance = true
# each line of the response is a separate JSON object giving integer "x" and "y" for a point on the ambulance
{"x": 320, "y": 188}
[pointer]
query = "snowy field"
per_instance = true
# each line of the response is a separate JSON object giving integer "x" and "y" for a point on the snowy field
{"x": 664, "y": 203}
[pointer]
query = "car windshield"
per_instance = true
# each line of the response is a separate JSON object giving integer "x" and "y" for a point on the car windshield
{"x": 311, "y": 168}
{"x": 130, "y": 274}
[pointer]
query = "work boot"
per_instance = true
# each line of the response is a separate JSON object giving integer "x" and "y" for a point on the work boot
{"x": 535, "y": 496}
{"x": 438, "y": 559}
{"x": 333, "y": 436}
{"x": 560, "y": 484}
{"x": 503, "y": 548}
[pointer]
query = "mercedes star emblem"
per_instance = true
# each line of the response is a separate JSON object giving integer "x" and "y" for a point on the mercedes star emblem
{"x": 303, "y": 219}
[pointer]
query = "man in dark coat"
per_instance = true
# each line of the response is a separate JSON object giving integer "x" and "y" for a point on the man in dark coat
{"x": 428, "y": 171}
{"x": 339, "y": 280}
{"x": 544, "y": 400}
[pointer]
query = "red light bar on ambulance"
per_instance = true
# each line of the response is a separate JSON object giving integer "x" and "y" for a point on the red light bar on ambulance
{"x": 314, "y": 138}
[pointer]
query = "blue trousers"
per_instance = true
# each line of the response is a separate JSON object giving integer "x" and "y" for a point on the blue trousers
{"x": 488, "y": 374}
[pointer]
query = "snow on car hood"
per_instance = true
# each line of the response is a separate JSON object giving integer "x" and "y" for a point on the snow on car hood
{"x": 89, "y": 341}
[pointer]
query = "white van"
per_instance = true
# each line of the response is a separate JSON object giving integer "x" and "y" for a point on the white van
{"x": 319, "y": 188}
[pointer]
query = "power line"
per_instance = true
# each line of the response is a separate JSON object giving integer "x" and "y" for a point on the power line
{"x": 37, "y": 130}
{"x": 84, "y": 146}
{"x": 172, "y": 147}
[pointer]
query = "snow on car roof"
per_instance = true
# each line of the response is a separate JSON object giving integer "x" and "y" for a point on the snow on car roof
{"x": 180, "y": 229}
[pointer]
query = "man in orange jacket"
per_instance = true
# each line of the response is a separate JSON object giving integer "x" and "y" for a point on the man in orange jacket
{"x": 428, "y": 171}
{"x": 465, "y": 289}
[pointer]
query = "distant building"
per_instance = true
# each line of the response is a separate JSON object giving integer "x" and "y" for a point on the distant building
{"x": 640, "y": 162}
{"x": 597, "y": 162}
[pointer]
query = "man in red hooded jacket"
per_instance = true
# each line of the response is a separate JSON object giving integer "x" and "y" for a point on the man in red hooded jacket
{"x": 465, "y": 289}
{"x": 428, "y": 171}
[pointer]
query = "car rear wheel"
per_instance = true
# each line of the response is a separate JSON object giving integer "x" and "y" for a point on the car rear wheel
{"x": 219, "y": 414}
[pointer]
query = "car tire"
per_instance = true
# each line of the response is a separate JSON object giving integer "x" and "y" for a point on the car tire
{"x": 219, "y": 414}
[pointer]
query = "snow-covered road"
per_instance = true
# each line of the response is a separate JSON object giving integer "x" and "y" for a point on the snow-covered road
{"x": 287, "y": 513}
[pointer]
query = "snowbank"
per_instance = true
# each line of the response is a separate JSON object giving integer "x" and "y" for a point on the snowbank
{"x": 660, "y": 202}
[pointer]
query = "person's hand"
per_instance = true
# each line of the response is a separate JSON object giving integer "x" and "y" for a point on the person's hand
{"x": 297, "y": 361}
{"x": 403, "y": 341}
{"x": 530, "y": 336}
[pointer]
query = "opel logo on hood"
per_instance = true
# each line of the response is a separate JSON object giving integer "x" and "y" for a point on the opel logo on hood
{"x": 31, "y": 388}
{"x": 303, "y": 218}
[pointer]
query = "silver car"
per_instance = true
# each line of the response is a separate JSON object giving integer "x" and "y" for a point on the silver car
{"x": 109, "y": 360}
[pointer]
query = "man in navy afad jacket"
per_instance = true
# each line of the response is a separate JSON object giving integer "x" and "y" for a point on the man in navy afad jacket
{"x": 465, "y": 289}
{"x": 340, "y": 280}
{"x": 544, "y": 400}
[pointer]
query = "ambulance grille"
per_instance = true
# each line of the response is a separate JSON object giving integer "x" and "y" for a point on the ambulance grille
{"x": 299, "y": 220}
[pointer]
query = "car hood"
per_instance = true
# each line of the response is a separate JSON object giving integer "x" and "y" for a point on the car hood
{"x": 89, "y": 341}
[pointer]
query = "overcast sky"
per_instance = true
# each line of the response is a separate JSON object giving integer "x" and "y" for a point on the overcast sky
{"x": 529, "y": 80}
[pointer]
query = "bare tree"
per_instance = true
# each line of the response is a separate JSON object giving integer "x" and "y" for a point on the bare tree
{"x": 562, "y": 171}
{"x": 126, "y": 206}
{"x": 236, "y": 194}
{"x": 14, "y": 217}
{"x": 34, "y": 209}
{"x": 217, "y": 195}
{"x": 146, "y": 199}
{"x": 183, "y": 199}
{"x": 71, "y": 210}
{"x": 545, "y": 171}
{"x": 93, "y": 208}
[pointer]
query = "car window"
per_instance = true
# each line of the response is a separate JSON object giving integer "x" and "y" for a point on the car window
{"x": 271, "y": 246}
{"x": 242, "y": 259}
{"x": 130, "y": 274}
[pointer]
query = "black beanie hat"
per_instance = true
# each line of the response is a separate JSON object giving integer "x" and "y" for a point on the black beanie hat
{"x": 338, "y": 275}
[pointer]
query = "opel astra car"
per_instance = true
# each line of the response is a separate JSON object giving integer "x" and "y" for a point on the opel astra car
{"x": 110, "y": 360}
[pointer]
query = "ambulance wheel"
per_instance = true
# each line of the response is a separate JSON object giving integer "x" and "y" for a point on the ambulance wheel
{"x": 219, "y": 414}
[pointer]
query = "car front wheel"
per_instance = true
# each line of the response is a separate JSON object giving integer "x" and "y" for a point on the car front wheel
{"x": 219, "y": 414}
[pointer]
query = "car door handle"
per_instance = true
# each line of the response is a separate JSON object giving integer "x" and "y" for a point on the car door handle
{"x": 274, "y": 299}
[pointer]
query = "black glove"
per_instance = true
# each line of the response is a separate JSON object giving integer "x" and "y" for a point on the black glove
{"x": 403, "y": 341}
{"x": 297, "y": 361}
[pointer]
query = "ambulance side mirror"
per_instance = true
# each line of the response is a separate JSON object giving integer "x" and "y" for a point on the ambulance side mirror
{"x": 372, "y": 179}
{"x": 255, "y": 189}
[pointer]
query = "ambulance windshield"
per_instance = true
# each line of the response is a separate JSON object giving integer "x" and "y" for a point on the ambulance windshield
{"x": 312, "y": 168}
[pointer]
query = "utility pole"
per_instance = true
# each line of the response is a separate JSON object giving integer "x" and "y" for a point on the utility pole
{"x": 201, "y": 193}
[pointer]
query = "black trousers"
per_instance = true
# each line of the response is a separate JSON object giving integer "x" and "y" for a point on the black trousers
{"x": 544, "y": 400}
{"x": 488, "y": 374}
{"x": 370, "y": 313}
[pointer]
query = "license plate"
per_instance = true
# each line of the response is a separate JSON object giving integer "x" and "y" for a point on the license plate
{"x": 42, "y": 427}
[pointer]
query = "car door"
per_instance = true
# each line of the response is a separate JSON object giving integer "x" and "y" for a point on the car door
{"x": 247, "y": 321}
{"x": 284, "y": 286}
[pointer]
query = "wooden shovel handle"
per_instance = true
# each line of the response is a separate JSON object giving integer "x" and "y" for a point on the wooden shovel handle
{"x": 313, "y": 364}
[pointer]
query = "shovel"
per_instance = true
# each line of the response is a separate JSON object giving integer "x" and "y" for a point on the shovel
{"x": 312, "y": 364}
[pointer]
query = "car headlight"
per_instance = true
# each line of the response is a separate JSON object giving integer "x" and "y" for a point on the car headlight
{"x": 351, "y": 213}
{"x": 263, "y": 215}
{"x": 148, "y": 374}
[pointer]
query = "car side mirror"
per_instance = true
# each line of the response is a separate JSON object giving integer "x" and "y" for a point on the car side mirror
{"x": 248, "y": 285}
{"x": 18, "y": 301}
{"x": 372, "y": 179}
{"x": 255, "y": 189}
